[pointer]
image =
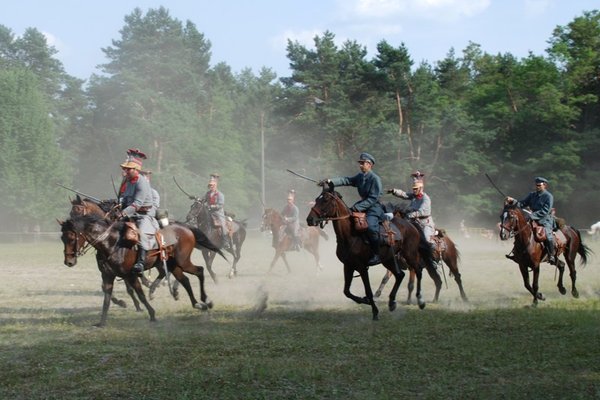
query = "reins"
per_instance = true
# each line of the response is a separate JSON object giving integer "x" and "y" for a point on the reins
{"x": 321, "y": 219}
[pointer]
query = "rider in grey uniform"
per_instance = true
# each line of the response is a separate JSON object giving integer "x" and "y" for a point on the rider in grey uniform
{"x": 419, "y": 208}
{"x": 291, "y": 214}
{"x": 137, "y": 204}
{"x": 540, "y": 202}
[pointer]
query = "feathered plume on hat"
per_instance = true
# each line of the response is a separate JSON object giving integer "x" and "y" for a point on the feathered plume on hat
{"x": 134, "y": 159}
{"x": 417, "y": 176}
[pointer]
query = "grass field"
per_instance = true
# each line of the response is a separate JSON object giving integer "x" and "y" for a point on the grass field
{"x": 309, "y": 343}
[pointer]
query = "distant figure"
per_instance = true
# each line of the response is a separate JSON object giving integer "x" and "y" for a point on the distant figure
{"x": 464, "y": 230}
{"x": 595, "y": 229}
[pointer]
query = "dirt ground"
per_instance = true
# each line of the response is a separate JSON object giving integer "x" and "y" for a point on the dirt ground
{"x": 490, "y": 280}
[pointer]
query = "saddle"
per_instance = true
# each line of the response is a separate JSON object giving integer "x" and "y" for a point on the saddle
{"x": 439, "y": 244}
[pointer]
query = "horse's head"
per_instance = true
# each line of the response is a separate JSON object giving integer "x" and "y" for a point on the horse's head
{"x": 512, "y": 221}
{"x": 73, "y": 241}
{"x": 328, "y": 206}
{"x": 197, "y": 214}
{"x": 268, "y": 217}
{"x": 80, "y": 207}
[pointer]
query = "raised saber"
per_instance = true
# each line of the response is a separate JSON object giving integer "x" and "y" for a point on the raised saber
{"x": 494, "y": 185}
{"x": 302, "y": 176}
{"x": 184, "y": 192}
{"x": 80, "y": 193}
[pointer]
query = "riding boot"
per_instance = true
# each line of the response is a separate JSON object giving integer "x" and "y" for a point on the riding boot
{"x": 374, "y": 242}
{"x": 138, "y": 267}
{"x": 550, "y": 250}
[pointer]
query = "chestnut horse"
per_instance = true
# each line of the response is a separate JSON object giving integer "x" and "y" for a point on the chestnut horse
{"x": 444, "y": 253}
{"x": 273, "y": 220}
{"x": 80, "y": 232}
{"x": 529, "y": 253}
{"x": 407, "y": 246}
{"x": 199, "y": 217}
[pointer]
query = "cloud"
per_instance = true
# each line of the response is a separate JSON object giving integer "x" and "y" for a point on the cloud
{"x": 55, "y": 42}
{"x": 304, "y": 37}
{"x": 438, "y": 10}
{"x": 534, "y": 8}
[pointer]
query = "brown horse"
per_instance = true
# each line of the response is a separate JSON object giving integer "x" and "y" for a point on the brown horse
{"x": 273, "y": 220}
{"x": 105, "y": 236}
{"x": 83, "y": 206}
{"x": 407, "y": 246}
{"x": 443, "y": 253}
{"x": 529, "y": 253}
{"x": 199, "y": 217}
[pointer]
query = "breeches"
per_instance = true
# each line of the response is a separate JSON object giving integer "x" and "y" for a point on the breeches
{"x": 147, "y": 227}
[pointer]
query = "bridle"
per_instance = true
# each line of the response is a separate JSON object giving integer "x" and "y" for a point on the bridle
{"x": 509, "y": 223}
{"x": 87, "y": 244}
{"x": 323, "y": 219}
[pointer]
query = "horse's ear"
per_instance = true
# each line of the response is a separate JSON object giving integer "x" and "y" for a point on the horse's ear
{"x": 61, "y": 223}
{"x": 331, "y": 186}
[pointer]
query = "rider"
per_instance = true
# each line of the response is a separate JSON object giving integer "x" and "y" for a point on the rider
{"x": 136, "y": 203}
{"x": 540, "y": 202}
{"x": 419, "y": 209}
{"x": 155, "y": 195}
{"x": 215, "y": 201}
{"x": 290, "y": 214}
{"x": 370, "y": 191}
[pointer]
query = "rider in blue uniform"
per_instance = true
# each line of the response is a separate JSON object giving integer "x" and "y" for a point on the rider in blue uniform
{"x": 540, "y": 202}
{"x": 370, "y": 191}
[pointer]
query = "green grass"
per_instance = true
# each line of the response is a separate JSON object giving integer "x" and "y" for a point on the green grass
{"x": 306, "y": 348}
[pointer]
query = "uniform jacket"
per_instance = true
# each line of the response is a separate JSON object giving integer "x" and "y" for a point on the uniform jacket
{"x": 370, "y": 191}
{"x": 137, "y": 196}
{"x": 540, "y": 204}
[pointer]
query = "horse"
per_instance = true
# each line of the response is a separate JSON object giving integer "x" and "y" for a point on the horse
{"x": 594, "y": 230}
{"x": 443, "y": 253}
{"x": 200, "y": 217}
{"x": 106, "y": 237}
{"x": 529, "y": 253}
{"x": 273, "y": 220}
{"x": 407, "y": 246}
{"x": 84, "y": 206}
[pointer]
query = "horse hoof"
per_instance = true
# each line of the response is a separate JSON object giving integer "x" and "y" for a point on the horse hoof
{"x": 575, "y": 294}
{"x": 210, "y": 304}
{"x": 377, "y": 294}
{"x": 540, "y": 296}
{"x": 392, "y": 305}
{"x": 422, "y": 305}
{"x": 201, "y": 306}
{"x": 562, "y": 290}
{"x": 122, "y": 304}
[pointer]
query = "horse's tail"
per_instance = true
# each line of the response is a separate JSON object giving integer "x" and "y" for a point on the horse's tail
{"x": 202, "y": 241}
{"x": 323, "y": 234}
{"x": 583, "y": 250}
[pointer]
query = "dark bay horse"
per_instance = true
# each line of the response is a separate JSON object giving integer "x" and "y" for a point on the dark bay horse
{"x": 408, "y": 246}
{"x": 529, "y": 253}
{"x": 273, "y": 220}
{"x": 199, "y": 216}
{"x": 445, "y": 253}
{"x": 105, "y": 209}
{"x": 105, "y": 236}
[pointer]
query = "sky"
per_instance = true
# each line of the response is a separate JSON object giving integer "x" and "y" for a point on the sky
{"x": 254, "y": 33}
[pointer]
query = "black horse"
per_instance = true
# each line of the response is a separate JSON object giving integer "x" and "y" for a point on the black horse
{"x": 407, "y": 245}
{"x": 199, "y": 216}
{"x": 106, "y": 237}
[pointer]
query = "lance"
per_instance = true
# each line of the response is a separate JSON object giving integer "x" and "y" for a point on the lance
{"x": 80, "y": 193}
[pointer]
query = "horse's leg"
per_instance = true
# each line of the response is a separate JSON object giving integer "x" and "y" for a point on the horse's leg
{"x": 208, "y": 257}
{"x": 433, "y": 273}
{"x": 185, "y": 282}
{"x": 236, "y": 257}
{"x": 278, "y": 254}
{"x": 131, "y": 294}
{"x": 384, "y": 281}
{"x": 561, "y": 271}
{"x": 156, "y": 282}
{"x": 419, "y": 275}
{"x": 134, "y": 282}
{"x": 452, "y": 263}
{"x": 348, "y": 276}
{"x": 107, "y": 287}
{"x": 570, "y": 254}
{"x": 411, "y": 285}
{"x": 399, "y": 275}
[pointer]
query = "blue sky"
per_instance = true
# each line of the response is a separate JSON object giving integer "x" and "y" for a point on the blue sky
{"x": 253, "y": 33}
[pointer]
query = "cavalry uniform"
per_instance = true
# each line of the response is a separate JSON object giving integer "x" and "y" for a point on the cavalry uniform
{"x": 137, "y": 204}
{"x": 291, "y": 219}
{"x": 370, "y": 191}
{"x": 215, "y": 201}
{"x": 419, "y": 210}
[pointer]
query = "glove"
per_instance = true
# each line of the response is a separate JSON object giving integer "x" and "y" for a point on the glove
{"x": 323, "y": 182}
{"x": 389, "y": 190}
{"x": 412, "y": 215}
{"x": 213, "y": 206}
